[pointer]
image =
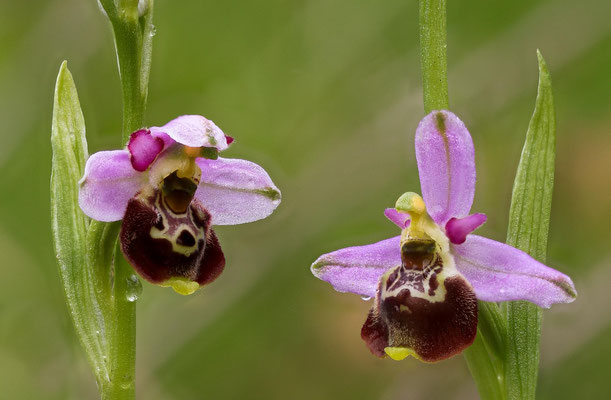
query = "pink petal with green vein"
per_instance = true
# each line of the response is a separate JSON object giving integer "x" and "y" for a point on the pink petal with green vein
{"x": 236, "y": 191}
{"x": 499, "y": 272}
{"x": 358, "y": 269}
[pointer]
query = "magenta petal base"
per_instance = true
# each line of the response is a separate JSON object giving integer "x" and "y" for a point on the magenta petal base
{"x": 143, "y": 149}
{"x": 457, "y": 229}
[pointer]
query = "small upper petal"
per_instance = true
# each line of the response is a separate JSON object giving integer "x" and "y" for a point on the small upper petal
{"x": 457, "y": 229}
{"x": 446, "y": 163}
{"x": 499, "y": 272}
{"x": 143, "y": 149}
{"x": 194, "y": 131}
{"x": 400, "y": 219}
{"x": 108, "y": 184}
{"x": 358, "y": 269}
{"x": 236, "y": 191}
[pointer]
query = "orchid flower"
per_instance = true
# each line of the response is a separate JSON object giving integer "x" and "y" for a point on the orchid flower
{"x": 169, "y": 187}
{"x": 426, "y": 281}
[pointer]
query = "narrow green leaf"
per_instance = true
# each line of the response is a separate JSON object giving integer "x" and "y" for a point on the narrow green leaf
{"x": 528, "y": 228}
{"x": 486, "y": 356}
{"x": 69, "y": 224}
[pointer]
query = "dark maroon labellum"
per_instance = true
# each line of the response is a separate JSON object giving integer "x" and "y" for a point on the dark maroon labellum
{"x": 167, "y": 234}
{"x": 421, "y": 307}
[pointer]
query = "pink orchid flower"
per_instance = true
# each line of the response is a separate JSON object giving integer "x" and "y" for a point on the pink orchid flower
{"x": 426, "y": 281}
{"x": 169, "y": 187}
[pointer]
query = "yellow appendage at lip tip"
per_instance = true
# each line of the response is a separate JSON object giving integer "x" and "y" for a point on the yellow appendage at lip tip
{"x": 181, "y": 285}
{"x": 399, "y": 353}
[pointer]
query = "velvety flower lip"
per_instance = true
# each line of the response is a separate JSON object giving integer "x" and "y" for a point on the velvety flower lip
{"x": 169, "y": 186}
{"x": 425, "y": 281}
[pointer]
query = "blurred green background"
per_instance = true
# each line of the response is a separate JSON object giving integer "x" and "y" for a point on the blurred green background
{"x": 326, "y": 96}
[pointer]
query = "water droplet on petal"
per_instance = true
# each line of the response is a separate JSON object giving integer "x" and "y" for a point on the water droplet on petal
{"x": 366, "y": 298}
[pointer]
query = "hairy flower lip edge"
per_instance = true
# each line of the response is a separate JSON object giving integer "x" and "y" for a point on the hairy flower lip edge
{"x": 443, "y": 132}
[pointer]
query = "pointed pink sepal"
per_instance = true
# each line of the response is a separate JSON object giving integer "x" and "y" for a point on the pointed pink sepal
{"x": 446, "y": 164}
{"x": 358, "y": 269}
{"x": 108, "y": 184}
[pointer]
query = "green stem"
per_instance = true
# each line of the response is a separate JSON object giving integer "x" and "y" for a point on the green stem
{"x": 485, "y": 357}
{"x": 122, "y": 335}
{"x": 133, "y": 34}
{"x": 133, "y": 41}
{"x": 433, "y": 54}
{"x": 129, "y": 52}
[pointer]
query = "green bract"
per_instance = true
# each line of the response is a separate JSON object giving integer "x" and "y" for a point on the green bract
{"x": 504, "y": 360}
{"x": 529, "y": 216}
{"x": 85, "y": 252}
{"x": 69, "y": 224}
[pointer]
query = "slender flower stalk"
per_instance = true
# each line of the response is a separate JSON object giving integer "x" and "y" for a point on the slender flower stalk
{"x": 433, "y": 55}
{"x": 133, "y": 29}
{"x": 131, "y": 21}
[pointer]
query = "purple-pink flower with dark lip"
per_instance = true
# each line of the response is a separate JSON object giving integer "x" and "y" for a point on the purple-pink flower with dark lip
{"x": 426, "y": 281}
{"x": 169, "y": 187}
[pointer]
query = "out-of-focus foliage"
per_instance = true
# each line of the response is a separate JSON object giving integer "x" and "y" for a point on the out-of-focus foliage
{"x": 326, "y": 96}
